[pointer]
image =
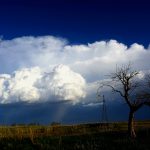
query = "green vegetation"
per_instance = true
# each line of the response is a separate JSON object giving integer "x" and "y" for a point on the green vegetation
{"x": 112, "y": 136}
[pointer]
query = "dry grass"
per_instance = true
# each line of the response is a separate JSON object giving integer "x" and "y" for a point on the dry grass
{"x": 96, "y": 136}
{"x": 25, "y": 131}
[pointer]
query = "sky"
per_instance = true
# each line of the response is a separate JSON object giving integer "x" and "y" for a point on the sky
{"x": 53, "y": 54}
{"x": 79, "y": 21}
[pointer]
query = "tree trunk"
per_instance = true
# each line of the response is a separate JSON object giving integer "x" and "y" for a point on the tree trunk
{"x": 131, "y": 131}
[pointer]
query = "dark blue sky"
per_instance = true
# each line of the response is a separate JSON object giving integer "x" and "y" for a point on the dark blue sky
{"x": 80, "y": 21}
{"x": 65, "y": 113}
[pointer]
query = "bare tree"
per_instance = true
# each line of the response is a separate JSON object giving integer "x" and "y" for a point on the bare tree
{"x": 125, "y": 82}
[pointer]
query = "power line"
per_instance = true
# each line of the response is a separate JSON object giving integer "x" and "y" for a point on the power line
{"x": 104, "y": 116}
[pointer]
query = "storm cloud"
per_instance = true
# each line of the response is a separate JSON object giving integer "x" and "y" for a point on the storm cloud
{"x": 48, "y": 68}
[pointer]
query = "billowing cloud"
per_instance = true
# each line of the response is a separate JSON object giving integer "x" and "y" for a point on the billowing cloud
{"x": 36, "y": 85}
{"x": 92, "y": 61}
{"x": 62, "y": 83}
{"x": 87, "y": 62}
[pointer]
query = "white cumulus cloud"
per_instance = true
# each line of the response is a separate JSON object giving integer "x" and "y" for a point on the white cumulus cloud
{"x": 62, "y": 83}
{"x": 87, "y": 62}
{"x": 36, "y": 85}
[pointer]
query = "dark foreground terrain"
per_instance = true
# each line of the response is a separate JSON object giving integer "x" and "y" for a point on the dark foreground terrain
{"x": 111, "y": 136}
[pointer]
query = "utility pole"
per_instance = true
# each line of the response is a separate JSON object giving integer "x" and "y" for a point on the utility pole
{"x": 104, "y": 117}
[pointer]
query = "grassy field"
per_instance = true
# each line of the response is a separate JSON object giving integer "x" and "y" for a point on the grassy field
{"x": 110, "y": 136}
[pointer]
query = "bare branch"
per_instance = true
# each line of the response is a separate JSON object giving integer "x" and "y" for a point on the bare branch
{"x": 115, "y": 90}
{"x": 124, "y": 76}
